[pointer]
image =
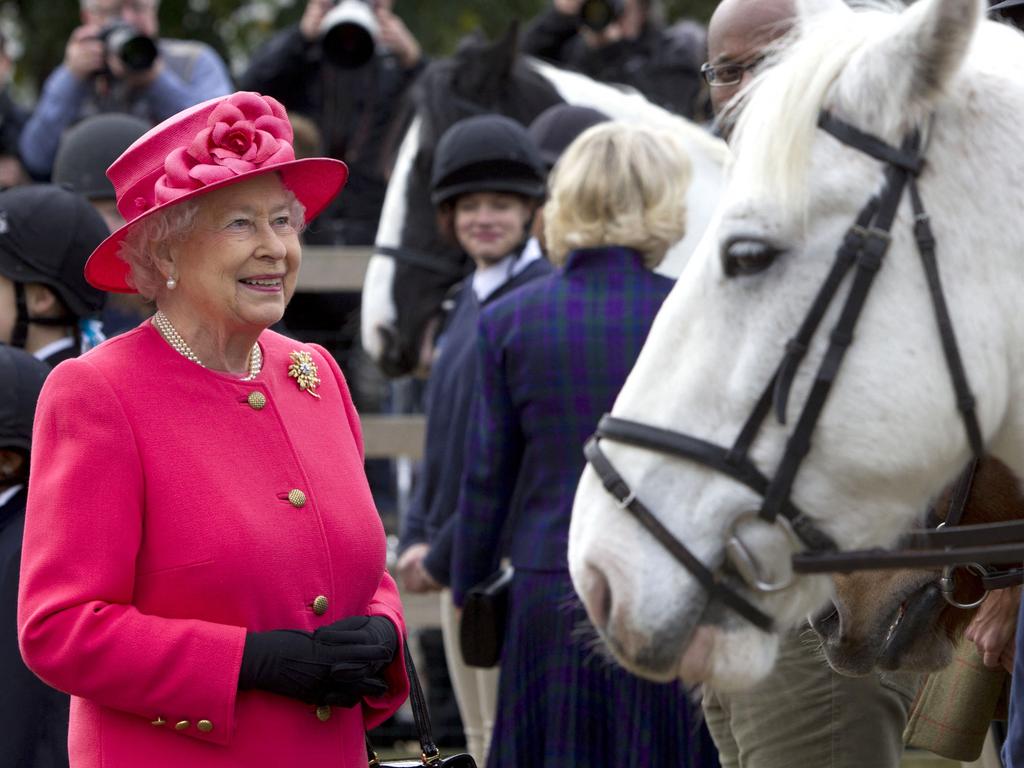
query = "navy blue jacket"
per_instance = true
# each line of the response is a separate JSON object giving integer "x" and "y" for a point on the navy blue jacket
{"x": 553, "y": 356}
{"x": 450, "y": 393}
{"x": 34, "y": 716}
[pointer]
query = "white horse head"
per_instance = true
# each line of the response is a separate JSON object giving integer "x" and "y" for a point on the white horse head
{"x": 890, "y": 434}
{"x": 400, "y": 300}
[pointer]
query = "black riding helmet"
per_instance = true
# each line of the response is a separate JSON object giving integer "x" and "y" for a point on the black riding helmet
{"x": 88, "y": 149}
{"x": 487, "y": 153}
{"x": 554, "y": 129}
{"x": 21, "y": 378}
{"x": 46, "y": 235}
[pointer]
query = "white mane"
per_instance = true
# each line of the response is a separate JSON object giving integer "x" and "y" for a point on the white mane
{"x": 776, "y": 128}
{"x": 777, "y": 125}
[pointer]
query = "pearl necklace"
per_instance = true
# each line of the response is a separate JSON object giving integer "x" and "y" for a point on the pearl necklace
{"x": 172, "y": 337}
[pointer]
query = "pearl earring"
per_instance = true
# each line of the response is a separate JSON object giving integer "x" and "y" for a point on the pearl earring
{"x": 171, "y": 283}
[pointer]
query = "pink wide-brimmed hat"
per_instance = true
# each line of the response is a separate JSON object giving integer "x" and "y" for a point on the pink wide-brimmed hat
{"x": 211, "y": 145}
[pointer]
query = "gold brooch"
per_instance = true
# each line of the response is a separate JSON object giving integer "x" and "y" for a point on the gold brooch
{"x": 303, "y": 370}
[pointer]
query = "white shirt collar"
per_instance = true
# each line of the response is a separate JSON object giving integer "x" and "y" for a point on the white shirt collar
{"x": 9, "y": 494}
{"x": 489, "y": 279}
{"x": 53, "y": 348}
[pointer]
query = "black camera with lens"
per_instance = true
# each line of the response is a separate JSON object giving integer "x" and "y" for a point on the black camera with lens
{"x": 348, "y": 33}
{"x": 136, "y": 50}
{"x": 598, "y": 14}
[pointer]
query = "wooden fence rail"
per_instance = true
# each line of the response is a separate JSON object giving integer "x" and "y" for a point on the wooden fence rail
{"x": 341, "y": 268}
{"x": 333, "y": 267}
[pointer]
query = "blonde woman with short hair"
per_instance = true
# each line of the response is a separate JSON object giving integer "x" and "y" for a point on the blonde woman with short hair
{"x": 618, "y": 185}
{"x": 552, "y": 356}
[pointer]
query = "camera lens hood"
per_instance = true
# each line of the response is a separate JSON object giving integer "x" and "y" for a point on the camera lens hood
{"x": 348, "y": 34}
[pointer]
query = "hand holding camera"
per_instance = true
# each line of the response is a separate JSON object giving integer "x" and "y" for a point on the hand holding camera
{"x": 602, "y": 17}
{"x": 312, "y": 18}
{"x": 117, "y": 48}
{"x": 85, "y": 53}
{"x": 599, "y": 20}
{"x": 396, "y": 37}
{"x": 350, "y": 32}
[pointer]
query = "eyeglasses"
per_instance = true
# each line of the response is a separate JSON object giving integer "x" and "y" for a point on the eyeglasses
{"x": 727, "y": 74}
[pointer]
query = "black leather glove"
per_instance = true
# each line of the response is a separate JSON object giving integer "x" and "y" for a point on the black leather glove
{"x": 293, "y": 663}
{"x": 364, "y": 646}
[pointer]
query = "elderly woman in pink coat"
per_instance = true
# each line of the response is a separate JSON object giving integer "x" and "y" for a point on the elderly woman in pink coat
{"x": 203, "y": 565}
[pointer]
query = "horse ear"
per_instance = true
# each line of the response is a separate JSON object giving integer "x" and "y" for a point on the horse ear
{"x": 506, "y": 49}
{"x": 911, "y": 67}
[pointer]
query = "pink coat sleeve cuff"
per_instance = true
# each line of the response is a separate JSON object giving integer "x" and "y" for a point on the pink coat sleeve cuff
{"x": 379, "y": 708}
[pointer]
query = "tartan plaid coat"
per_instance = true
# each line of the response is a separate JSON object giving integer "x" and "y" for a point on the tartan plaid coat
{"x": 552, "y": 357}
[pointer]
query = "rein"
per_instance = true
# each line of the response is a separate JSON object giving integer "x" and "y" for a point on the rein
{"x": 968, "y": 553}
{"x": 862, "y": 251}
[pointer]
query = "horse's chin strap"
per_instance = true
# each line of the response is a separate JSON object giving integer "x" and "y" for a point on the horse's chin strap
{"x": 862, "y": 251}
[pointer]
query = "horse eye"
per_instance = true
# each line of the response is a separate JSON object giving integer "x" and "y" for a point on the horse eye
{"x": 746, "y": 256}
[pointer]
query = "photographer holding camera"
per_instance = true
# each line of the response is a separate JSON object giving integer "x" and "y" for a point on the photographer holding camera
{"x": 345, "y": 65}
{"x": 625, "y": 42}
{"x": 115, "y": 62}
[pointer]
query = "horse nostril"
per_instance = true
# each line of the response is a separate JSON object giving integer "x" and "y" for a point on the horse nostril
{"x": 599, "y": 604}
{"x": 826, "y": 623}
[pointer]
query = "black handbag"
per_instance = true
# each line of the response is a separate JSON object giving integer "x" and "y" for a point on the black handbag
{"x": 484, "y": 616}
{"x": 430, "y": 755}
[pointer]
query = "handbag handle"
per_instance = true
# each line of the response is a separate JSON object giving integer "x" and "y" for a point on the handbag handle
{"x": 429, "y": 753}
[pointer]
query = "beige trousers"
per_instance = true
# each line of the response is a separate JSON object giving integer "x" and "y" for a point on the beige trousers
{"x": 476, "y": 690}
{"x": 805, "y": 715}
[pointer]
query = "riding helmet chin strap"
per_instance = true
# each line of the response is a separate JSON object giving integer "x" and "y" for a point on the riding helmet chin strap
{"x": 19, "y": 334}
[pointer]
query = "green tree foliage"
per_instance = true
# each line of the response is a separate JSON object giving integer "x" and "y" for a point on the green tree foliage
{"x": 40, "y": 28}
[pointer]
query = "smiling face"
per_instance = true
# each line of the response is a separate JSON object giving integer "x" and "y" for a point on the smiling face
{"x": 489, "y": 225}
{"x": 237, "y": 269}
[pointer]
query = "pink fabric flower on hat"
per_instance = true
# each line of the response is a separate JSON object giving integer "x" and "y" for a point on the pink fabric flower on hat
{"x": 245, "y": 132}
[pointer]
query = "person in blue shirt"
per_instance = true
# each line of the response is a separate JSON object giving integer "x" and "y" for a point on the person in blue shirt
{"x": 93, "y": 79}
{"x": 488, "y": 181}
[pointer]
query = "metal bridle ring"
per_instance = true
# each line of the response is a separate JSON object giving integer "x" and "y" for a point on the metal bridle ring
{"x": 947, "y": 585}
{"x": 745, "y": 563}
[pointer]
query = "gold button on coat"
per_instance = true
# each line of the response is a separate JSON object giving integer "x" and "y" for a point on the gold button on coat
{"x": 257, "y": 400}
{"x": 320, "y": 605}
{"x": 159, "y": 721}
{"x": 323, "y": 713}
{"x": 297, "y": 498}
{"x": 181, "y": 725}
{"x": 205, "y": 726}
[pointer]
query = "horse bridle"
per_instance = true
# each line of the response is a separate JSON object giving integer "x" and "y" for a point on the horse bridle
{"x": 863, "y": 249}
